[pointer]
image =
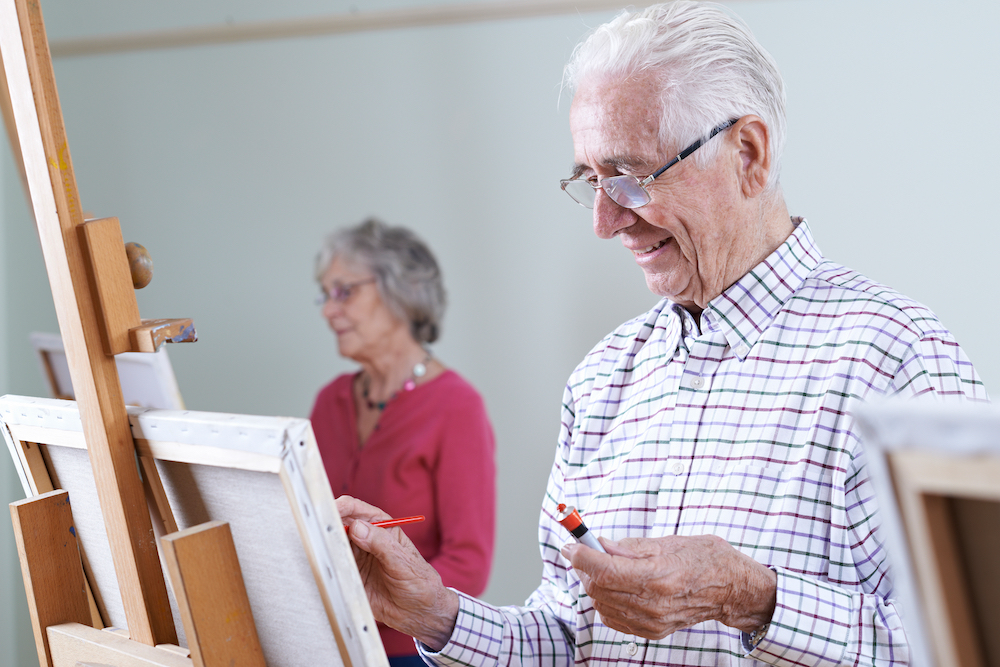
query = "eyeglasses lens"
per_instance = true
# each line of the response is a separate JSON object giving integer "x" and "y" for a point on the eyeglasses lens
{"x": 338, "y": 295}
{"x": 581, "y": 191}
{"x": 623, "y": 190}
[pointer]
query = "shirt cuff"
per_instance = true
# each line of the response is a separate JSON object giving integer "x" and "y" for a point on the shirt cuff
{"x": 810, "y": 625}
{"x": 474, "y": 641}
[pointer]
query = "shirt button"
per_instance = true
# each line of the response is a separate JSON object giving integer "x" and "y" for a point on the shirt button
{"x": 742, "y": 350}
{"x": 631, "y": 648}
{"x": 698, "y": 383}
{"x": 677, "y": 468}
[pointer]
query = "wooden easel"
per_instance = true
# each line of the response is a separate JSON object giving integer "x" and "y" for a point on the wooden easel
{"x": 98, "y": 318}
{"x": 936, "y": 470}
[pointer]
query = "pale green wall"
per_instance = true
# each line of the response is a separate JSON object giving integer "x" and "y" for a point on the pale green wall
{"x": 230, "y": 163}
{"x": 15, "y": 630}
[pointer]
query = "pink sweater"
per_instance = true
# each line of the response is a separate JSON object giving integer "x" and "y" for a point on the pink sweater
{"x": 432, "y": 453}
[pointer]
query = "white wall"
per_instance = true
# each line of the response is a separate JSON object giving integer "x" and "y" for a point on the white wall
{"x": 230, "y": 163}
{"x": 16, "y": 646}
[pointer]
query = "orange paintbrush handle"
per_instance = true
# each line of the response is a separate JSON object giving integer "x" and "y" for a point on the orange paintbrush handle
{"x": 389, "y": 523}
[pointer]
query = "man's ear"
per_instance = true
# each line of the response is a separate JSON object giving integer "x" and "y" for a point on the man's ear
{"x": 755, "y": 154}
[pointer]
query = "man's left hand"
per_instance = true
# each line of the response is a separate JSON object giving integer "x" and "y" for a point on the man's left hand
{"x": 652, "y": 587}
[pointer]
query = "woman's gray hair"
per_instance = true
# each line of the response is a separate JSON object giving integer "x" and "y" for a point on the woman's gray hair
{"x": 711, "y": 69}
{"x": 406, "y": 273}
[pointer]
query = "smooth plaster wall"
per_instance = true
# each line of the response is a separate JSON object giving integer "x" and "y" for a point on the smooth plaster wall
{"x": 16, "y": 645}
{"x": 230, "y": 163}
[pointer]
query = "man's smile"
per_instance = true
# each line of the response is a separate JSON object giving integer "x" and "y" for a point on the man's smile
{"x": 650, "y": 248}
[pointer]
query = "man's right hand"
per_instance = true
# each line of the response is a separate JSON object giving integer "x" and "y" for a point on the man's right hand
{"x": 404, "y": 591}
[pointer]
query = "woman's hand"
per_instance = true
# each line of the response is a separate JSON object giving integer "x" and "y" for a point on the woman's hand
{"x": 404, "y": 591}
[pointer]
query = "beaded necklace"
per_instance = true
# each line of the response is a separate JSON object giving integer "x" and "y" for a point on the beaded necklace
{"x": 419, "y": 370}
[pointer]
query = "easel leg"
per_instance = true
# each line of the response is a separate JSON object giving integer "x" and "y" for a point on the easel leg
{"x": 50, "y": 564}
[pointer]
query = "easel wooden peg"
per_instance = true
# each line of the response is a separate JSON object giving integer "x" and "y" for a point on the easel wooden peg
{"x": 151, "y": 334}
{"x": 114, "y": 292}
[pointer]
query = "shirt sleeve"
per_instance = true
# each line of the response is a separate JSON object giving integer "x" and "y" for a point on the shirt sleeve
{"x": 542, "y": 632}
{"x": 936, "y": 365}
{"x": 488, "y": 636}
{"x": 817, "y": 622}
{"x": 465, "y": 495}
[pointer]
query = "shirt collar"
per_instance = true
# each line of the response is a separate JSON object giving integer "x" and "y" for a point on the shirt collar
{"x": 747, "y": 308}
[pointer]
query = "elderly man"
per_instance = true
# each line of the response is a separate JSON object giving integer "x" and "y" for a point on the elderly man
{"x": 709, "y": 441}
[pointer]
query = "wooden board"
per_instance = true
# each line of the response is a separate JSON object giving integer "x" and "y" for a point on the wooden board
{"x": 936, "y": 470}
{"x": 50, "y": 564}
{"x": 74, "y": 645}
{"x": 261, "y": 475}
{"x": 207, "y": 582}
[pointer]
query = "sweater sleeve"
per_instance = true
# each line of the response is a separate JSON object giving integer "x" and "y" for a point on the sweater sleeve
{"x": 465, "y": 495}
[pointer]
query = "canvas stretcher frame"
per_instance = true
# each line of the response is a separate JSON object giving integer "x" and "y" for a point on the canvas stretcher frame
{"x": 197, "y": 458}
{"x": 936, "y": 471}
{"x": 147, "y": 378}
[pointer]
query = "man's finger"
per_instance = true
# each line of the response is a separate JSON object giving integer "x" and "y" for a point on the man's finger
{"x": 351, "y": 508}
{"x": 584, "y": 558}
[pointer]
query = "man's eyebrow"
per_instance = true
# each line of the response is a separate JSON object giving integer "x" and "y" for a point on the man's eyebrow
{"x": 624, "y": 164}
{"x": 628, "y": 164}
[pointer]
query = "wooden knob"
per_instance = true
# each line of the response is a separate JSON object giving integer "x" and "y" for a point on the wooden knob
{"x": 140, "y": 264}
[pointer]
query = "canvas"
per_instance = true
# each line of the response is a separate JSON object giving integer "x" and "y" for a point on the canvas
{"x": 262, "y": 475}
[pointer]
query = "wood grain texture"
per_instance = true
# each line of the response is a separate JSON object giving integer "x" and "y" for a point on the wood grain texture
{"x": 7, "y": 111}
{"x": 73, "y": 644}
{"x": 151, "y": 334}
{"x": 40, "y": 482}
{"x": 156, "y": 495}
{"x": 111, "y": 280}
{"x": 57, "y": 210}
{"x": 31, "y": 455}
{"x": 919, "y": 478}
{"x": 208, "y": 585}
{"x": 50, "y": 565}
{"x": 977, "y": 523}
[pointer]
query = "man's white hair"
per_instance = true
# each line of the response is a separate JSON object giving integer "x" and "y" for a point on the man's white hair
{"x": 710, "y": 68}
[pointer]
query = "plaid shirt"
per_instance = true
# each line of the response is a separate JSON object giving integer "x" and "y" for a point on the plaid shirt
{"x": 739, "y": 428}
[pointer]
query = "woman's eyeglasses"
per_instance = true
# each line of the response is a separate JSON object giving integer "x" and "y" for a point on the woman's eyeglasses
{"x": 340, "y": 293}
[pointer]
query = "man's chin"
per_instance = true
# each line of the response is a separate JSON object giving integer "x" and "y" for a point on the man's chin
{"x": 665, "y": 285}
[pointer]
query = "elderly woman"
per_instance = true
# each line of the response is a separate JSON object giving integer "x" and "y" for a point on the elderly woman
{"x": 404, "y": 432}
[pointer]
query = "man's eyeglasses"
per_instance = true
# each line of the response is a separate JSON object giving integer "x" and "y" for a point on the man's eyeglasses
{"x": 629, "y": 191}
{"x": 340, "y": 293}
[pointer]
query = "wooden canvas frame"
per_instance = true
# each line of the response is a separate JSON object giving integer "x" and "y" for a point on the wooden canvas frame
{"x": 147, "y": 379}
{"x": 936, "y": 470}
{"x": 191, "y": 460}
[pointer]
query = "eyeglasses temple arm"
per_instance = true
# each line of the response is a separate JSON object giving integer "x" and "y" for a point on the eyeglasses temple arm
{"x": 687, "y": 151}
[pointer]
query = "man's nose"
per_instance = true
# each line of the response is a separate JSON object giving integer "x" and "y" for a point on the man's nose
{"x": 609, "y": 217}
